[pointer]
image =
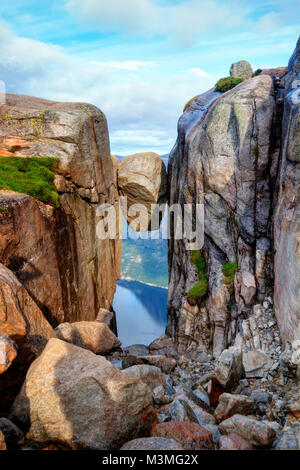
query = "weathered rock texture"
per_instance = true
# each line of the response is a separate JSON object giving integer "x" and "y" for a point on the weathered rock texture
{"x": 225, "y": 158}
{"x": 23, "y": 322}
{"x": 287, "y": 215}
{"x": 55, "y": 253}
{"x": 75, "y": 398}
{"x": 91, "y": 335}
{"x": 142, "y": 179}
{"x": 241, "y": 69}
{"x": 8, "y": 352}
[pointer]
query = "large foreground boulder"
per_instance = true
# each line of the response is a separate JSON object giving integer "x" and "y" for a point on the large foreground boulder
{"x": 142, "y": 178}
{"x": 75, "y": 398}
{"x": 22, "y": 321}
{"x": 91, "y": 335}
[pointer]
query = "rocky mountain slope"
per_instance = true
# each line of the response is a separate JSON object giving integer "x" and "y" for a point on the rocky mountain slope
{"x": 235, "y": 157}
{"x": 226, "y": 375}
{"x": 68, "y": 272}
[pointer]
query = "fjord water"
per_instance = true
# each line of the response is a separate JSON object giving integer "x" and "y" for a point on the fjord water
{"x": 140, "y": 311}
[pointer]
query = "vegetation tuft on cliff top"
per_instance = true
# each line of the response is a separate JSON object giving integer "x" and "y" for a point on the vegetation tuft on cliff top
{"x": 30, "y": 175}
{"x": 188, "y": 104}
{"x": 227, "y": 83}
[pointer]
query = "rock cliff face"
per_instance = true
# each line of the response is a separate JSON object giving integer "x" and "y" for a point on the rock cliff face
{"x": 287, "y": 215}
{"x": 21, "y": 322}
{"x": 226, "y": 157}
{"x": 55, "y": 253}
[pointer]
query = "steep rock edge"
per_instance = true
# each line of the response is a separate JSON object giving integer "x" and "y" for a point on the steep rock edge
{"x": 55, "y": 253}
{"x": 23, "y": 323}
{"x": 226, "y": 157}
{"x": 287, "y": 214}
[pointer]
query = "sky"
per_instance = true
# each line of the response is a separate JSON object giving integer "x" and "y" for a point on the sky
{"x": 139, "y": 61}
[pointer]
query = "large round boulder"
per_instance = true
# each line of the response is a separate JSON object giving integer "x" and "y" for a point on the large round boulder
{"x": 79, "y": 400}
{"x": 142, "y": 178}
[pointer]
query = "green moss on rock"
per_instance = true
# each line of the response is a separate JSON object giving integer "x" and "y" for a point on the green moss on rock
{"x": 227, "y": 83}
{"x": 199, "y": 290}
{"x": 188, "y": 104}
{"x": 30, "y": 175}
{"x": 229, "y": 270}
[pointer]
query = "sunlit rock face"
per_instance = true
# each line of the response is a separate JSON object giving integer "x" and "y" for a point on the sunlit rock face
{"x": 55, "y": 252}
{"x": 225, "y": 158}
{"x": 25, "y": 331}
{"x": 241, "y": 69}
{"x": 80, "y": 400}
{"x": 287, "y": 214}
{"x": 142, "y": 179}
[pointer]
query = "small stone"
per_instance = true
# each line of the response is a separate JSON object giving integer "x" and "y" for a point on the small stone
{"x": 187, "y": 407}
{"x": 109, "y": 318}
{"x": 294, "y": 409}
{"x": 234, "y": 442}
{"x": 290, "y": 439}
{"x": 8, "y": 352}
{"x": 137, "y": 350}
{"x": 190, "y": 435}
{"x": 165, "y": 346}
{"x": 12, "y": 434}
{"x": 160, "y": 397}
{"x": 2, "y": 442}
{"x": 202, "y": 395}
{"x": 150, "y": 375}
{"x": 256, "y": 364}
{"x": 256, "y": 432}
{"x": 260, "y": 396}
{"x": 152, "y": 443}
{"x": 228, "y": 369}
{"x": 91, "y": 335}
{"x": 230, "y": 405}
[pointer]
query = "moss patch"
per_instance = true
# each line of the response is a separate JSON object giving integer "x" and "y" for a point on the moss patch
{"x": 199, "y": 290}
{"x": 31, "y": 175}
{"x": 229, "y": 270}
{"x": 188, "y": 104}
{"x": 227, "y": 83}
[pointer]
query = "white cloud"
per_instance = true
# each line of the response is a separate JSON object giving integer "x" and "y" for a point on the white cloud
{"x": 198, "y": 72}
{"x": 184, "y": 23}
{"x": 130, "y": 65}
{"x": 142, "y": 108}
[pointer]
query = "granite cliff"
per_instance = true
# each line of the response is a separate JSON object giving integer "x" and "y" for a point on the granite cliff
{"x": 236, "y": 153}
